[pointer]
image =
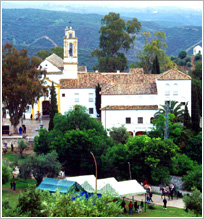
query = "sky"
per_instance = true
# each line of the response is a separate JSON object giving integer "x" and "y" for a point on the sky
{"x": 184, "y": 4}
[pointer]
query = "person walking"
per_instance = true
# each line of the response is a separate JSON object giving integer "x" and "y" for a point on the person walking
{"x": 11, "y": 184}
{"x": 123, "y": 206}
{"x": 130, "y": 207}
{"x": 142, "y": 203}
{"x": 165, "y": 202}
{"x": 14, "y": 185}
{"x": 20, "y": 130}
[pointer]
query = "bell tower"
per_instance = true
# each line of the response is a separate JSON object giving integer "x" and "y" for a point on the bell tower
{"x": 70, "y": 54}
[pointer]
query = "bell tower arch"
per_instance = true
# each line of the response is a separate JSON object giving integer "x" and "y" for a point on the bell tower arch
{"x": 70, "y": 54}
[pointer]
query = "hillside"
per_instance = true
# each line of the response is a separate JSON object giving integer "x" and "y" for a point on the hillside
{"x": 36, "y": 30}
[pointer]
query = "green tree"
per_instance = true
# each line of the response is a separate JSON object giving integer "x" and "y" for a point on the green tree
{"x": 193, "y": 178}
{"x": 182, "y": 54}
{"x": 30, "y": 202}
{"x": 175, "y": 108}
{"x": 198, "y": 57}
{"x": 119, "y": 134}
{"x": 195, "y": 110}
{"x": 35, "y": 61}
{"x": 152, "y": 48}
{"x": 74, "y": 135}
{"x": 43, "y": 54}
{"x": 193, "y": 148}
{"x": 40, "y": 166}
{"x": 98, "y": 100}
{"x": 6, "y": 173}
{"x": 22, "y": 144}
{"x": 151, "y": 158}
{"x": 41, "y": 142}
{"x": 194, "y": 202}
{"x": 58, "y": 51}
{"x": 20, "y": 83}
{"x": 53, "y": 108}
{"x": 115, "y": 35}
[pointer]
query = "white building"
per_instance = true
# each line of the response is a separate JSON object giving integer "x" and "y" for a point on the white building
{"x": 129, "y": 99}
{"x": 197, "y": 49}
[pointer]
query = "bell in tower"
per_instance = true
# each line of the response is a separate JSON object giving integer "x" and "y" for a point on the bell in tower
{"x": 70, "y": 54}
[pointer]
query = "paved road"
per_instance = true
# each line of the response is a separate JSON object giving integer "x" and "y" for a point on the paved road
{"x": 157, "y": 200}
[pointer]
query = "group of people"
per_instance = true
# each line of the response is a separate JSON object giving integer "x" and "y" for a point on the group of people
{"x": 170, "y": 191}
{"x": 22, "y": 130}
{"x": 131, "y": 205}
{"x": 13, "y": 185}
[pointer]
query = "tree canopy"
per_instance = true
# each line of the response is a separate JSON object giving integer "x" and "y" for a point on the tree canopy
{"x": 116, "y": 35}
{"x": 20, "y": 83}
{"x": 152, "y": 48}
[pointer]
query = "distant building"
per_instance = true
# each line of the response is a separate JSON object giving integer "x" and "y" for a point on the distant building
{"x": 197, "y": 49}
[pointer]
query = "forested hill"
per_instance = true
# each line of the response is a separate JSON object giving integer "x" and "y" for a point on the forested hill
{"x": 36, "y": 30}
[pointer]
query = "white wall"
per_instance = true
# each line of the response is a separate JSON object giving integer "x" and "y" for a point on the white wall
{"x": 112, "y": 100}
{"x": 68, "y": 101}
{"x": 184, "y": 92}
{"x": 49, "y": 67}
{"x": 116, "y": 118}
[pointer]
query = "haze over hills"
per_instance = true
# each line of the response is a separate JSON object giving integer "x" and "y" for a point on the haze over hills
{"x": 36, "y": 29}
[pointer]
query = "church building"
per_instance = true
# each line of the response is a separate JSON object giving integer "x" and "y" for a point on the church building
{"x": 127, "y": 98}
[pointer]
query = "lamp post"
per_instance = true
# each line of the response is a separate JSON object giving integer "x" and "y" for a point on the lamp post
{"x": 95, "y": 168}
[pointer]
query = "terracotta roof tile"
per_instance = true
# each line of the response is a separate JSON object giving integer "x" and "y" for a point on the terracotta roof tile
{"x": 173, "y": 74}
{"x": 131, "y": 107}
{"x": 136, "y": 71}
{"x": 85, "y": 80}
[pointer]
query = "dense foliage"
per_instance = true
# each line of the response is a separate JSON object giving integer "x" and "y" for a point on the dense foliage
{"x": 22, "y": 144}
{"x": 154, "y": 48}
{"x": 35, "y": 203}
{"x": 40, "y": 166}
{"x": 119, "y": 134}
{"x": 194, "y": 202}
{"x": 115, "y": 35}
{"x": 6, "y": 173}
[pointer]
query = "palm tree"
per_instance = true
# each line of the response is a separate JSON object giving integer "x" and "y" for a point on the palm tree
{"x": 174, "y": 108}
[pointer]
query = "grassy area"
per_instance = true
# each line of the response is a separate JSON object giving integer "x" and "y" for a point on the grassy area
{"x": 12, "y": 196}
{"x": 10, "y": 156}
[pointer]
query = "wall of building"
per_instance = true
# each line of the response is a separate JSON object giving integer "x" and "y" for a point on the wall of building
{"x": 184, "y": 92}
{"x": 112, "y": 100}
{"x": 70, "y": 99}
{"x": 116, "y": 118}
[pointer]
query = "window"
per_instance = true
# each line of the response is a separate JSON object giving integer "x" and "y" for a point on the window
{"x": 128, "y": 120}
{"x": 90, "y": 97}
{"x": 151, "y": 119}
{"x": 167, "y": 89}
{"x": 70, "y": 35}
{"x": 140, "y": 119}
{"x": 76, "y": 97}
{"x": 167, "y": 102}
{"x": 175, "y": 89}
{"x": 28, "y": 109}
{"x": 90, "y": 110}
{"x": 183, "y": 103}
{"x": 63, "y": 95}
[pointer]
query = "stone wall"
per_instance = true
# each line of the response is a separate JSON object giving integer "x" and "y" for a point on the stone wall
{"x": 14, "y": 140}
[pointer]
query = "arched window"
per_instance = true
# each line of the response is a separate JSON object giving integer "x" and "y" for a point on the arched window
{"x": 175, "y": 89}
{"x": 151, "y": 119}
{"x": 71, "y": 49}
{"x": 70, "y": 35}
{"x": 167, "y": 89}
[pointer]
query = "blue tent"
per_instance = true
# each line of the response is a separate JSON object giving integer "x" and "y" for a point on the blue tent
{"x": 52, "y": 185}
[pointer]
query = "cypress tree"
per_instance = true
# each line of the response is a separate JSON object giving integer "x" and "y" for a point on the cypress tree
{"x": 53, "y": 106}
{"x": 195, "y": 110}
{"x": 98, "y": 100}
{"x": 155, "y": 66}
{"x": 187, "y": 118}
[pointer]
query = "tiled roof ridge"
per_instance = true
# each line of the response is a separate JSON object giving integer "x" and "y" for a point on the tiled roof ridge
{"x": 170, "y": 70}
{"x": 55, "y": 60}
{"x": 130, "y": 107}
{"x": 108, "y": 88}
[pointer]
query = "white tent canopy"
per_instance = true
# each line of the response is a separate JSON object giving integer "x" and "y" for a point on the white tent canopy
{"x": 109, "y": 185}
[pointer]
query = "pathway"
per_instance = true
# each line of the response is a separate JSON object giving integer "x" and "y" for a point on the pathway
{"x": 157, "y": 200}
